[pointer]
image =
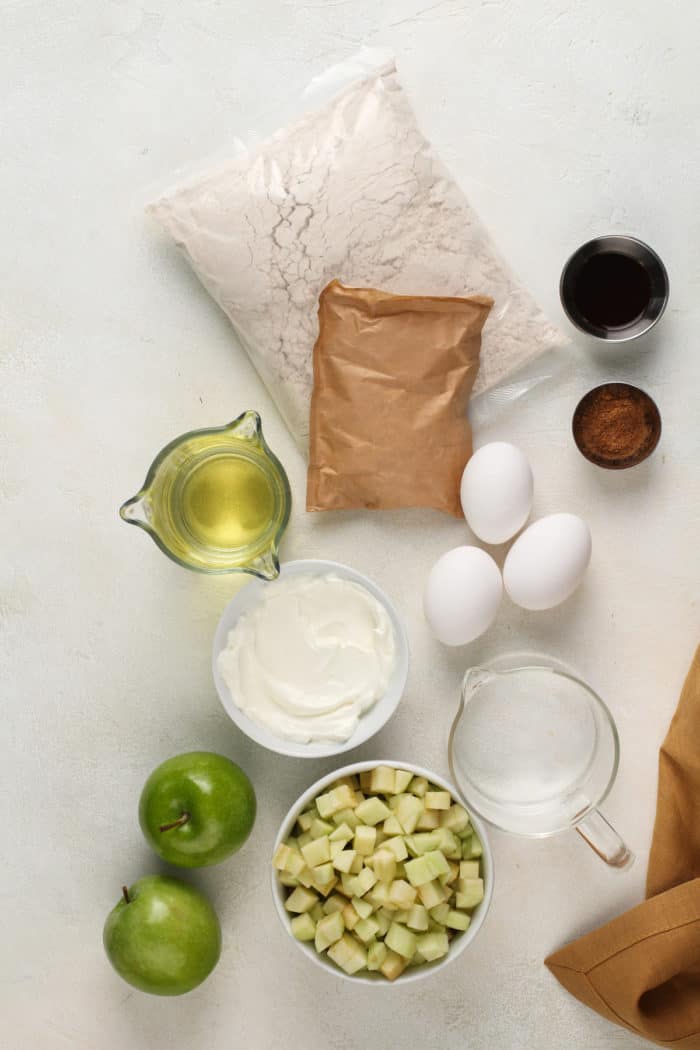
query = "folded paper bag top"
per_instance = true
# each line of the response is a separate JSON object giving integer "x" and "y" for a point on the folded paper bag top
{"x": 642, "y": 970}
{"x": 392, "y": 378}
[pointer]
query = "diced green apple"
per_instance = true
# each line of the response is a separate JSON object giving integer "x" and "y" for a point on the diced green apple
{"x": 383, "y": 922}
{"x": 383, "y": 872}
{"x": 350, "y": 916}
{"x": 323, "y": 874}
{"x": 303, "y": 927}
{"x": 401, "y": 940}
{"x": 448, "y": 843}
{"x": 319, "y": 828}
{"x": 476, "y": 849}
{"x": 365, "y": 839}
{"x": 470, "y": 892}
{"x": 418, "y": 871}
{"x": 402, "y": 778}
{"x": 372, "y": 811}
{"x": 456, "y": 819}
{"x": 457, "y": 920}
{"x": 305, "y": 820}
{"x": 337, "y": 799}
{"x": 431, "y": 894}
{"x": 382, "y": 780}
{"x": 421, "y": 843}
{"x": 294, "y": 862}
{"x": 437, "y": 863}
{"x": 440, "y": 913}
{"x": 334, "y": 903}
{"x": 363, "y": 882}
{"x": 367, "y": 929}
{"x": 329, "y": 930}
{"x": 417, "y": 918}
{"x": 363, "y": 907}
{"x": 438, "y": 800}
{"x": 325, "y": 888}
{"x": 343, "y": 833}
{"x": 316, "y": 912}
{"x": 376, "y": 954}
{"x": 432, "y": 945}
{"x": 286, "y": 879}
{"x": 343, "y": 860}
{"x": 450, "y": 876}
{"x": 384, "y": 864}
{"x": 397, "y": 847}
{"x": 408, "y": 811}
{"x": 391, "y": 826}
{"x": 300, "y": 900}
{"x": 428, "y": 820}
{"x": 348, "y": 954}
{"x": 402, "y": 894}
{"x": 469, "y": 869}
{"x": 346, "y": 816}
{"x": 418, "y": 786}
{"x": 393, "y": 966}
{"x": 316, "y": 852}
{"x": 346, "y": 884}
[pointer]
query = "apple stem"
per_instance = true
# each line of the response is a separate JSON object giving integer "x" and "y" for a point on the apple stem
{"x": 125, "y": 895}
{"x": 176, "y": 823}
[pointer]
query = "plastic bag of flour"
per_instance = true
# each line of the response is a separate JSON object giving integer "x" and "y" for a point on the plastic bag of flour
{"x": 352, "y": 191}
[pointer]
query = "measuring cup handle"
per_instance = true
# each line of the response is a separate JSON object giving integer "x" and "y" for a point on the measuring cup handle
{"x": 602, "y": 837}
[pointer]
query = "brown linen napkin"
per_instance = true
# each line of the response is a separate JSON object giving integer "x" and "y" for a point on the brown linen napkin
{"x": 642, "y": 970}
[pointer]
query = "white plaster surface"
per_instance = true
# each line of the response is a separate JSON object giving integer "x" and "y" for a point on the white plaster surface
{"x": 561, "y": 120}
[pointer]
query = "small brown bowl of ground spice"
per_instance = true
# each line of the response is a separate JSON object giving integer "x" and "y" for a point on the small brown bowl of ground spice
{"x": 616, "y": 426}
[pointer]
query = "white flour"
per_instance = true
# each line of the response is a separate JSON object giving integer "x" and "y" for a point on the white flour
{"x": 353, "y": 192}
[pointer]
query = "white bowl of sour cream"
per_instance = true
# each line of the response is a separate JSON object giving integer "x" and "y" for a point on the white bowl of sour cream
{"x": 311, "y": 664}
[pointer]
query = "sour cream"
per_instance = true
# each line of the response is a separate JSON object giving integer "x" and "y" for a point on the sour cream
{"x": 310, "y": 658}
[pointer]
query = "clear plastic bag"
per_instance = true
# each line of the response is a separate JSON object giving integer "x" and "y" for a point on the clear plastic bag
{"x": 352, "y": 191}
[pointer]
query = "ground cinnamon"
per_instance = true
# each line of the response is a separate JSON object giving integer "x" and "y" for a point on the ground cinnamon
{"x": 616, "y": 425}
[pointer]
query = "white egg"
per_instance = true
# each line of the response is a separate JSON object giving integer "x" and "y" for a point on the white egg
{"x": 546, "y": 564}
{"x": 496, "y": 491}
{"x": 462, "y": 595}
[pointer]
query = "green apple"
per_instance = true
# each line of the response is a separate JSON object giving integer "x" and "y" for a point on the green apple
{"x": 163, "y": 936}
{"x": 197, "y": 809}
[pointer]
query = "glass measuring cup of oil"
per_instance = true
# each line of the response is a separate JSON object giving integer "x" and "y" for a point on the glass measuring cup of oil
{"x": 535, "y": 751}
{"x": 216, "y": 500}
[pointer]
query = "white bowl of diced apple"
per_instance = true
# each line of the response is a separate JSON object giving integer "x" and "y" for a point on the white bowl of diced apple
{"x": 379, "y": 873}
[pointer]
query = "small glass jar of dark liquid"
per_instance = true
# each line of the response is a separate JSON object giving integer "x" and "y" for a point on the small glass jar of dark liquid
{"x": 615, "y": 288}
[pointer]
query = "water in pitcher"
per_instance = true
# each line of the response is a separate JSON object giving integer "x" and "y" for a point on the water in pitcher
{"x": 533, "y": 749}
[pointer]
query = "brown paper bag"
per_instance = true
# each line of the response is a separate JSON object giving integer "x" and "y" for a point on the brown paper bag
{"x": 642, "y": 970}
{"x": 392, "y": 379}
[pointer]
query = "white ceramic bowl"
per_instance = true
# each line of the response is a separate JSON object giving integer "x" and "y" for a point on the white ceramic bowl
{"x": 457, "y": 945}
{"x": 370, "y": 723}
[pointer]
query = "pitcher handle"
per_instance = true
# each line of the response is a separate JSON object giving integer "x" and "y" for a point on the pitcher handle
{"x": 605, "y": 841}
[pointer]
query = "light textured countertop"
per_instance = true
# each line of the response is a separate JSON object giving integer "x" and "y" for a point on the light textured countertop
{"x": 561, "y": 121}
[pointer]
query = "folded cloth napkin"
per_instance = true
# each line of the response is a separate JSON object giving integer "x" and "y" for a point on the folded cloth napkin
{"x": 642, "y": 970}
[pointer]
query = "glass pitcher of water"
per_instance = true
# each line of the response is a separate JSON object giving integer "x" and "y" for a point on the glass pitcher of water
{"x": 535, "y": 751}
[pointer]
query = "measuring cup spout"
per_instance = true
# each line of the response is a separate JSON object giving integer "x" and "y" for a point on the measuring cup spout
{"x": 475, "y": 677}
{"x": 135, "y": 511}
